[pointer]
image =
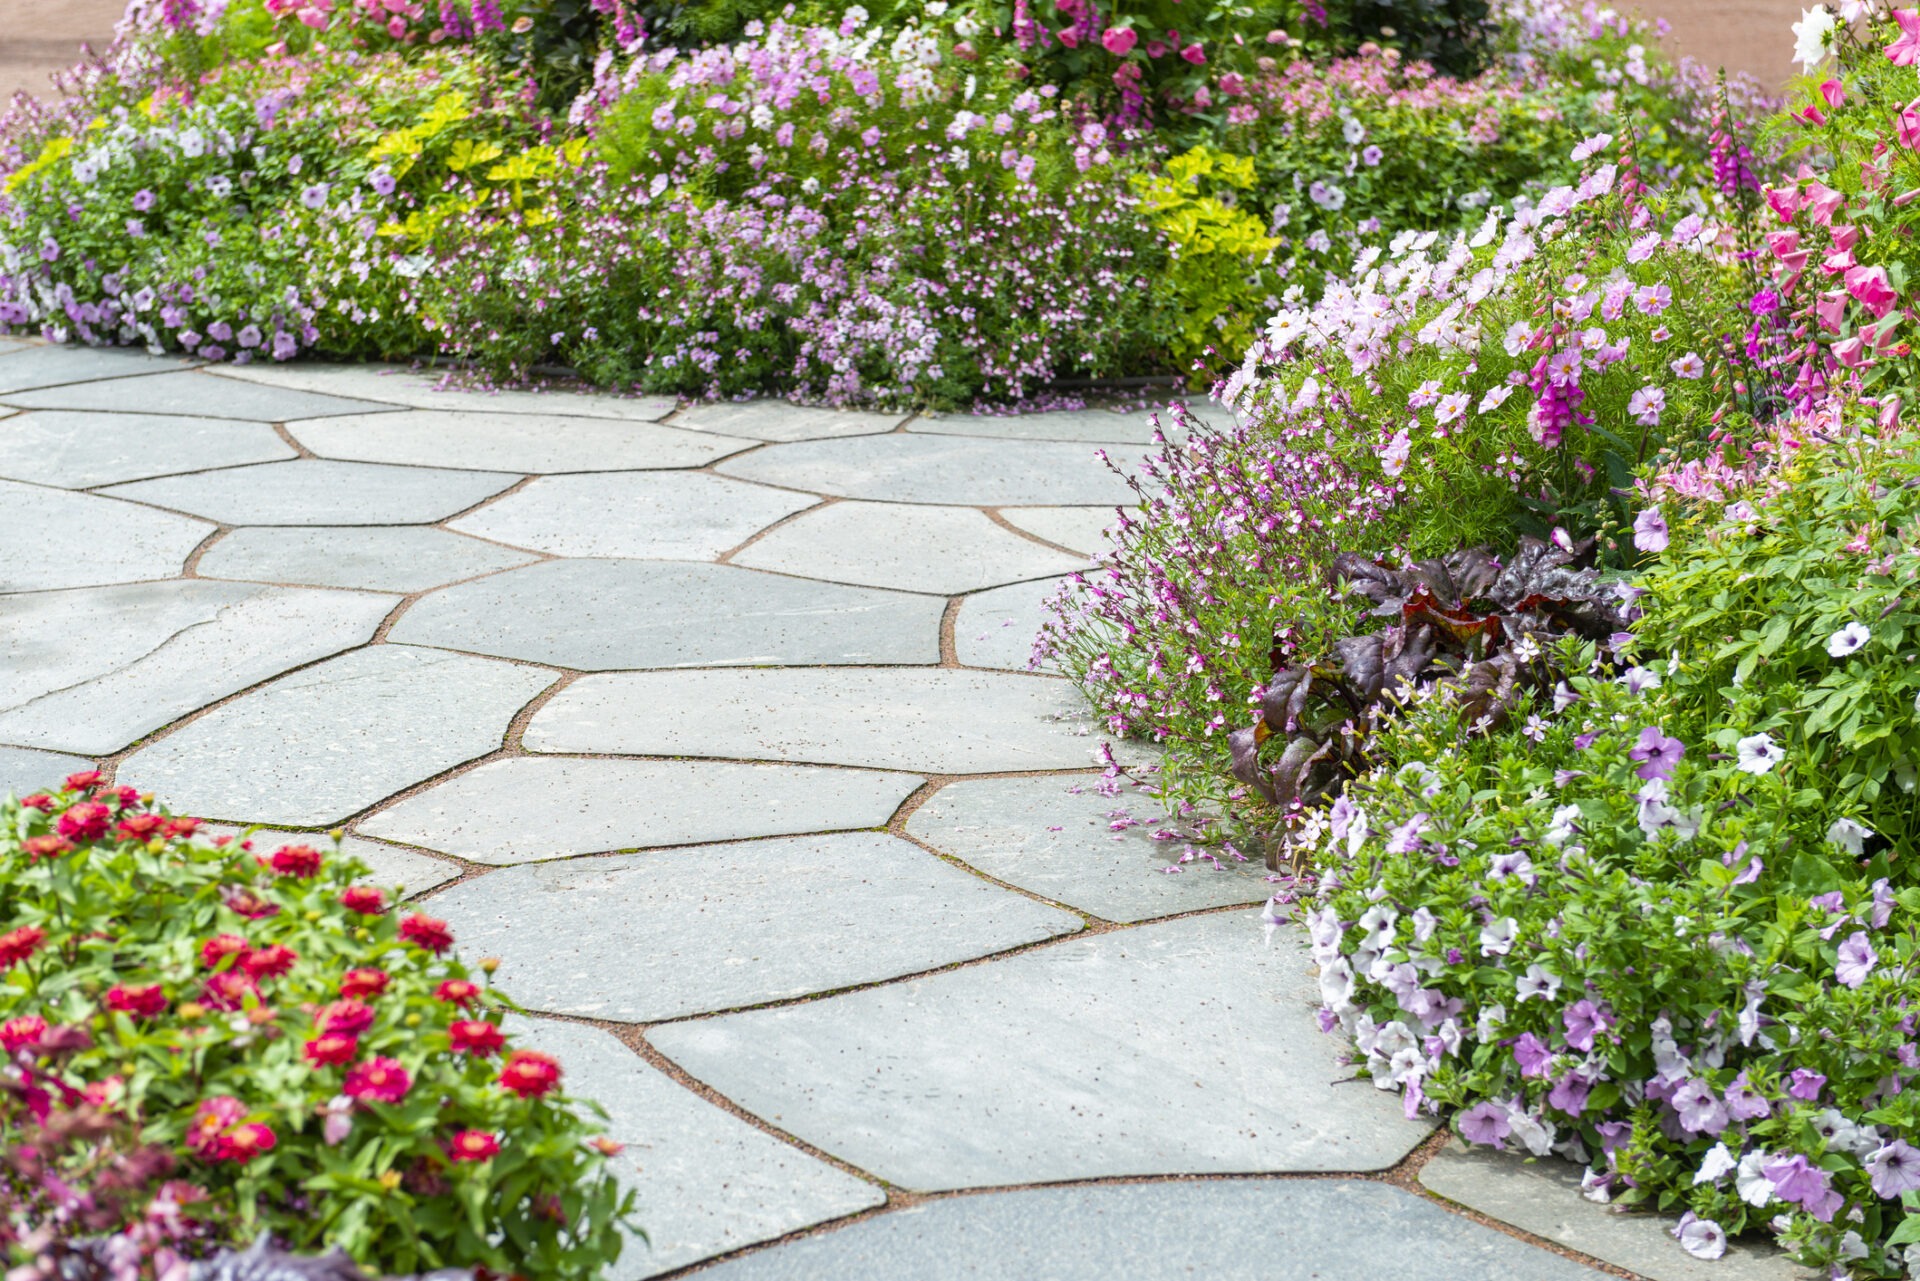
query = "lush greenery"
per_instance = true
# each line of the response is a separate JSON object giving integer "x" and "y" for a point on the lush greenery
{"x": 930, "y": 208}
{"x": 205, "y": 1043}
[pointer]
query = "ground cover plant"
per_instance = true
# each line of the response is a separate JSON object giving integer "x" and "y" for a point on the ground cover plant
{"x": 910, "y": 208}
{"x": 207, "y": 1043}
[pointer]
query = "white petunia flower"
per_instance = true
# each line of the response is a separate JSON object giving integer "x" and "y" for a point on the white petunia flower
{"x": 1754, "y": 1187}
{"x": 1702, "y": 1238}
{"x": 1538, "y": 982}
{"x": 1850, "y": 639}
{"x": 1849, "y": 835}
{"x": 1758, "y": 753}
{"x": 1496, "y": 938}
{"x": 1715, "y": 1165}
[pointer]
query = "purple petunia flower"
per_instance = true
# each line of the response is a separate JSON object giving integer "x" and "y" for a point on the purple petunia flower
{"x": 1569, "y": 1093}
{"x": 1584, "y": 1020}
{"x": 1894, "y": 1169}
{"x": 315, "y": 196}
{"x": 142, "y": 200}
{"x": 1485, "y": 1123}
{"x": 1532, "y": 1054}
{"x": 1856, "y": 960}
{"x": 1805, "y": 1085}
{"x": 1700, "y": 1109}
{"x": 1650, "y": 531}
{"x": 1795, "y": 1179}
{"x": 1656, "y": 753}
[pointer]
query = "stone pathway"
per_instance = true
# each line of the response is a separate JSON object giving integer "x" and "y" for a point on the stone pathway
{"x": 715, "y": 725}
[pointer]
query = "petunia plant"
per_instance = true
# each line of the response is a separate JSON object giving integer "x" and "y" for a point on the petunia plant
{"x": 303, "y": 1050}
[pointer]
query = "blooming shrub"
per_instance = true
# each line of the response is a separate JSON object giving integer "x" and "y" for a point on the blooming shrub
{"x": 300, "y": 1050}
{"x": 1665, "y": 928}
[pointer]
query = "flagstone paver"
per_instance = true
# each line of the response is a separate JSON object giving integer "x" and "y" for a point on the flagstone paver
{"x": 421, "y": 389}
{"x": 1080, "y": 529}
{"x": 1053, "y": 836}
{"x": 1099, "y": 426}
{"x": 25, "y": 368}
{"x": 23, "y": 771}
{"x": 324, "y": 743}
{"x": 642, "y": 515}
{"x": 943, "y": 722}
{"x": 79, "y": 450}
{"x": 706, "y": 1182}
{"x": 312, "y": 491}
{"x": 956, "y": 470}
{"x": 778, "y": 421}
{"x": 1544, "y": 1198}
{"x": 1216, "y": 1230}
{"x": 925, "y": 549}
{"x": 405, "y": 558}
{"x": 530, "y": 808}
{"x": 52, "y": 538}
{"x": 518, "y": 442}
{"x": 674, "y": 844}
{"x": 188, "y": 392}
{"x": 601, "y": 615}
{"x": 157, "y": 651}
{"x": 640, "y": 937}
{"x": 1182, "y": 1047}
{"x": 996, "y": 628}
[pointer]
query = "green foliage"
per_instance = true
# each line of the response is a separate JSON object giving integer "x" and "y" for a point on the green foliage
{"x": 1215, "y": 275}
{"x": 227, "y": 1005}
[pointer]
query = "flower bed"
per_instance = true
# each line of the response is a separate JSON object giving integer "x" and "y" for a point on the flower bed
{"x": 206, "y": 1044}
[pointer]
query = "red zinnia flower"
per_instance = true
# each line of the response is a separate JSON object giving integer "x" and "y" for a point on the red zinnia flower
{"x": 356, "y": 983}
{"x": 471, "y": 1036}
{"x": 330, "y": 1048}
{"x": 23, "y": 1031}
{"x": 206, "y": 1134}
{"x": 296, "y": 860}
{"x": 473, "y": 1145}
{"x": 363, "y": 899}
{"x": 127, "y": 796}
{"x": 458, "y": 992}
{"x": 182, "y": 826}
{"x": 81, "y": 781}
{"x": 530, "y": 1074}
{"x": 86, "y": 821}
{"x": 246, "y": 1142}
{"x": 139, "y": 827}
{"x": 39, "y": 847}
{"x": 228, "y": 990}
{"x": 220, "y": 947}
{"x": 244, "y": 902}
{"x": 145, "y": 1002}
{"x": 39, "y": 801}
{"x": 429, "y": 932}
{"x": 349, "y": 1018}
{"x": 269, "y": 962}
{"x": 380, "y": 1079}
{"x": 17, "y": 945}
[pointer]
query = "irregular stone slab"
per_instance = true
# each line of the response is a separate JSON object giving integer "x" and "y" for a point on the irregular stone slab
{"x": 641, "y": 937}
{"x": 1052, "y": 836}
{"x": 541, "y": 807}
{"x": 684, "y": 516}
{"x": 780, "y": 421}
{"x": 1220, "y": 1229}
{"x": 937, "y": 722}
{"x": 601, "y": 615}
{"x": 1543, "y": 1197}
{"x": 391, "y": 866}
{"x": 24, "y": 772}
{"x": 76, "y": 450}
{"x": 921, "y": 549}
{"x": 997, "y": 628}
{"x": 401, "y": 559}
{"x": 509, "y": 442}
{"x": 192, "y": 393}
{"x": 312, "y": 491}
{"x": 390, "y": 384}
{"x": 29, "y": 367}
{"x": 909, "y": 468}
{"x": 325, "y": 743}
{"x": 1185, "y": 1047}
{"x": 51, "y": 538}
{"x": 706, "y": 1182}
{"x": 1080, "y": 529}
{"x": 1100, "y": 426}
{"x": 155, "y": 651}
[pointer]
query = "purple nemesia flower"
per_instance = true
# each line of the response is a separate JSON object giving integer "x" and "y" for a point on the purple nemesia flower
{"x": 1650, "y": 531}
{"x": 1485, "y": 1123}
{"x": 1656, "y": 753}
{"x": 1894, "y": 1169}
{"x": 1856, "y": 960}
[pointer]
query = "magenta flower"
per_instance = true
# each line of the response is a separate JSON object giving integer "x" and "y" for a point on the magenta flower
{"x": 1119, "y": 41}
{"x": 1871, "y": 289}
{"x": 1195, "y": 54}
{"x": 1905, "y": 49}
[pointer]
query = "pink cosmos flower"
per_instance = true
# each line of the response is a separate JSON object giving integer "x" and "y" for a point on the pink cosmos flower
{"x": 1906, "y": 125}
{"x": 1905, "y": 49}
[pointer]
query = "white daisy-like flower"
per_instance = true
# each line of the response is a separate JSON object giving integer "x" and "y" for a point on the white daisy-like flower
{"x": 1813, "y": 36}
{"x": 1850, "y": 639}
{"x": 1758, "y": 753}
{"x": 1495, "y": 397}
{"x": 1286, "y": 327}
{"x": 1451, "y": 406}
